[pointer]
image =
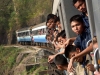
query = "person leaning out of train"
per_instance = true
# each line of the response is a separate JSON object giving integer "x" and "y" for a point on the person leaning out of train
{"x": 58, "y": 25}
{"x": 51, "y": 21}
{"x": 80, "y": 5}
{"x": 49, "y": 38}
{"x": 62, "y": 41}
{"x": 80, "y": 63}
{"x": 83, "y": 36}
{"x": 59, "y": 40}
{"x": 62, "y": 64}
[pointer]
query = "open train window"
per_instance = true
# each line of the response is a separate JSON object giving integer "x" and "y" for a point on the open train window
{"x": 27, "y": 33}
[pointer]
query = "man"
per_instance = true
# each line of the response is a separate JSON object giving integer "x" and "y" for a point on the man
{"x": 80, "y": 5}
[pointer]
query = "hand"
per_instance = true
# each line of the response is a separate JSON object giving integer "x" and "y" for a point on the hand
{"x": 96, "y": 73}
{"x": 90, "y": 67}
{"x": 70, "y": 65}
{"x": 50, "y": 58}
{"x": 67, "y": 42}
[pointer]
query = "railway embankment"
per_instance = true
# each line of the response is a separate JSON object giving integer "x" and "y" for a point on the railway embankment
{"x": 22, "y": 60}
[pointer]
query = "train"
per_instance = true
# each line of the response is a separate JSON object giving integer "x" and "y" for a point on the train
{"x": 32, "y": 35}
{"x": 64, "y": 10}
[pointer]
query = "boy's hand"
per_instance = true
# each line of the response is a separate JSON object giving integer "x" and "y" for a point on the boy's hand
{"x": 70, "y": 65}
{"x": 50, "y": 58}
{"x": 90, "y": 67}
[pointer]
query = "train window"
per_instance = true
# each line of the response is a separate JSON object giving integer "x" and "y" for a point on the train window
{"x": 22, "y": 34}
{"x": 35, "y": 32}
{"x": 40, "y": 32}
{"x": 27, "y": 33}
{"x": 18, "y": 34}
{"x": 30, "y": 31}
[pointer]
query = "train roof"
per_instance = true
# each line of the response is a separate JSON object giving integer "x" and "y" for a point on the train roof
{"x": 23, "y": 29}
{"x": 39, "y": 26}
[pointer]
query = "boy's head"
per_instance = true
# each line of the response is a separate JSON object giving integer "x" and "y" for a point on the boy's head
{"x": 71, "y": 51}
{"x": 51, "y": 21}
{"x": 48, "y": 38}
{"x": 57, "y": 21}
{"x": 80, "y": 5}
{"x": 77, "y": 24}
{"x": 61, "y": 37}
{"x": 61, "y": 62}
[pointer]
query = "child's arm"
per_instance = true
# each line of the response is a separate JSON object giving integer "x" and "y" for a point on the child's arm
{"x": 83, "y": 53}
{"x": 51, "y": 57}
{"x": 90, "y": 67}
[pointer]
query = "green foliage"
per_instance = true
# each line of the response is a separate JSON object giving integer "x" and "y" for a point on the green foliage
{"x": 15, "y": 14}
{"x": 7, "y": 58}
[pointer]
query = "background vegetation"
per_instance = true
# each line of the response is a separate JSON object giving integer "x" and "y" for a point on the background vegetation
{"x": 16, "y": 14}
{"x": 7, "y": 59}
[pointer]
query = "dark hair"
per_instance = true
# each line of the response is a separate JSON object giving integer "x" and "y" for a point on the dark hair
{"x": 74, "y": 1}
{"x": 51, "y": 16}
{"x": 61, "y": 34}
{"x": 57, "y": 19}
{"x": 47, "y": 35}
{"x": 68, "y": 49}
{"x": 77, "y": 18}
{"x": 60, "y": 60}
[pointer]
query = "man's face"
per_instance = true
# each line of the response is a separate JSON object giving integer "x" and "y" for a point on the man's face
{"x": 51, "y": 24}
{"x": 77, "y": 27}
{"x": 81, "y": 6}
{"x": 72, "y": 54}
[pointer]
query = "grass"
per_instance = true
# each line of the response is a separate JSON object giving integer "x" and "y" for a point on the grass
{"x": 8, "y": 61}
{"x": 7, "y": 58}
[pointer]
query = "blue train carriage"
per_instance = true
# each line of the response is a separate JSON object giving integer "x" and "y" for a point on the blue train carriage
{"x": 24, "y": 36}
{"x": 39, "y": 33}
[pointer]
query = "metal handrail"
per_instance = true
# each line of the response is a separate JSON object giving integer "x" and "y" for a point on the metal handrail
{"x": 96, "y": 55}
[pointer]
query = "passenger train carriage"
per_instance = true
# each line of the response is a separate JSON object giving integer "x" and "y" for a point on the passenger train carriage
{"x": 29, "y": 35}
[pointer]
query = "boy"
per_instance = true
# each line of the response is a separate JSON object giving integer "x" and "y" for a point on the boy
{"x": 84, "y": 35}
{"x": 62, "y": 63}
{"x": 80, "y": 5}
{"x": 71, "y": 51}
{"x": 51, "y": 21}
